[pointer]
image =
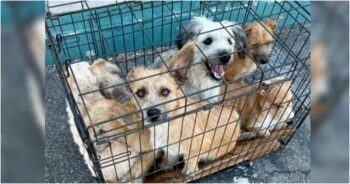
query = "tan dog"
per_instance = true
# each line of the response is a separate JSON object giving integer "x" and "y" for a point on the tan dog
{"x": 259, "y": 47}
{"x": 220, "y": 123}
{"x": 90, "y": 78}
{"x": 87, "y": 78}
{"x": 134, "y": 142}
{"x": 115, "y": 170}
{"x": 265, "y": 111}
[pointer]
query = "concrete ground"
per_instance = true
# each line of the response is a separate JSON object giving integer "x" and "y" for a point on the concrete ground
{"x": 65, "y": 164}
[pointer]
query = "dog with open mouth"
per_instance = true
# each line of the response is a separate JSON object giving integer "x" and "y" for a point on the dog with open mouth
{"x": 214, "y": 47}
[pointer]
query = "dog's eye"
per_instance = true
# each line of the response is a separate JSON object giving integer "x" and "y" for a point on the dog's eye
{"x": 229, "y": 41}
{"x": 141, "y": 93}
{"x": 276, "y": 105}
{"x": 164, "y": 92}
{"x": 255, "y": 45}
{"x": 208, "y": 41}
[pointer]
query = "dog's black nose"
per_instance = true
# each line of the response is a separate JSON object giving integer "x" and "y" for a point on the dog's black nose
{"x": 264, "y": 58}
{"x": 290, "y": 122}
{"x": 264, "y": 61}
{"x": 153, "y": 114}
{"x": 225, "y": 57}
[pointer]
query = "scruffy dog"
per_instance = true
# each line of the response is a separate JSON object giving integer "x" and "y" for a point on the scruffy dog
{"x": 87, "y": 78}
{"x": 267, "y": 110}
{"x": 135, "y": 142}
{"x": 259, "y": 48}
{"x": 201, "y": 136}
{"x": 215, "y": 45}
{"x": 206, "y": 135}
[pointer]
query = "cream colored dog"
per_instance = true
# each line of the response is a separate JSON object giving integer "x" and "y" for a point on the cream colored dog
{"x": 215, "y": 45}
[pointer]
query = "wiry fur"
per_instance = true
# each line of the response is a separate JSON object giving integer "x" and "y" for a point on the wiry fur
{"x": 259, "y": 49}
{"x": 217, "y": 141}
{"x": 265, "y": 111}
{"x": 199, "y": 76}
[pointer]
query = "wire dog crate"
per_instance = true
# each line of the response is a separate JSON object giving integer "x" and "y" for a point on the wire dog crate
{"x": 132, "y": 34}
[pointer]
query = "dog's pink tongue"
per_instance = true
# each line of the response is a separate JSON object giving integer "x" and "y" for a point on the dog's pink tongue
{"x": 218, "y": 70}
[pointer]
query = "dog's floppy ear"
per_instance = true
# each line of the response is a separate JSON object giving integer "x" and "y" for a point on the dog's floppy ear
{"x": 240, "y": 37}
{"x": 192, "y": 29}
{"x": 267, "y": 84}
{"x": 241, "y": 40}
{"x": 181, "y": 62}
{"x": 131, "y": 75}
{"x": 184, "y": 36}
{"x": 247, "y": 28}
{"x": 271, "y": 23}
{"x": 121, "y": 94}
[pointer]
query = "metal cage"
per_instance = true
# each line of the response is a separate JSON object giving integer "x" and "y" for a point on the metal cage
{"x": 132, "y": 34}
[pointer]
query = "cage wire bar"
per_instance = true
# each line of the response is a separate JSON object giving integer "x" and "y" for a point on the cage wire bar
{"x": 133, "y": 34}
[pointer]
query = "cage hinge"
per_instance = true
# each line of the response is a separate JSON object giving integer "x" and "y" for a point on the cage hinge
{"x": 59, "y": 44}
{"x": 49, "y": 45}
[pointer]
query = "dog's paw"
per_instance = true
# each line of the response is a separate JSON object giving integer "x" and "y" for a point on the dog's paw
{"x": 138, "y": 180}
{"x": 188, "y": 171}
{"x": 128, "y": 179}
{"x": 264, "y": 133}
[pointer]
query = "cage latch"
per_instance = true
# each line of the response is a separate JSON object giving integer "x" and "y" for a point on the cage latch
{"x": 208, "y": 106}
{"x": 59, "y": 42}
{"x": 102, "y": 140}
{"x": 67, "y": 62}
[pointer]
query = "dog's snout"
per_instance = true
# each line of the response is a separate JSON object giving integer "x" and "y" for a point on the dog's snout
{"x": 224, "y": 57}
{"x": 264, "y": 59}
{"x": 153, "y": 114}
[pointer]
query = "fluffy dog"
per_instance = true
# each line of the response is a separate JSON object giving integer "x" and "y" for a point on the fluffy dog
{"x": 95, "y": 78}
{"x": 118, "y": 161}
{"x": 88, "y": 78}
{"x": 259, "y": 48}
{"x": 215, "y": 46}
{"x": 135, "y": 142}
{"x": 264, "y": 111}
{"x": 205, "y": 135}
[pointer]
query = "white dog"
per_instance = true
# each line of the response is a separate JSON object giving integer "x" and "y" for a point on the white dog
{"x": 215, "y": 45}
